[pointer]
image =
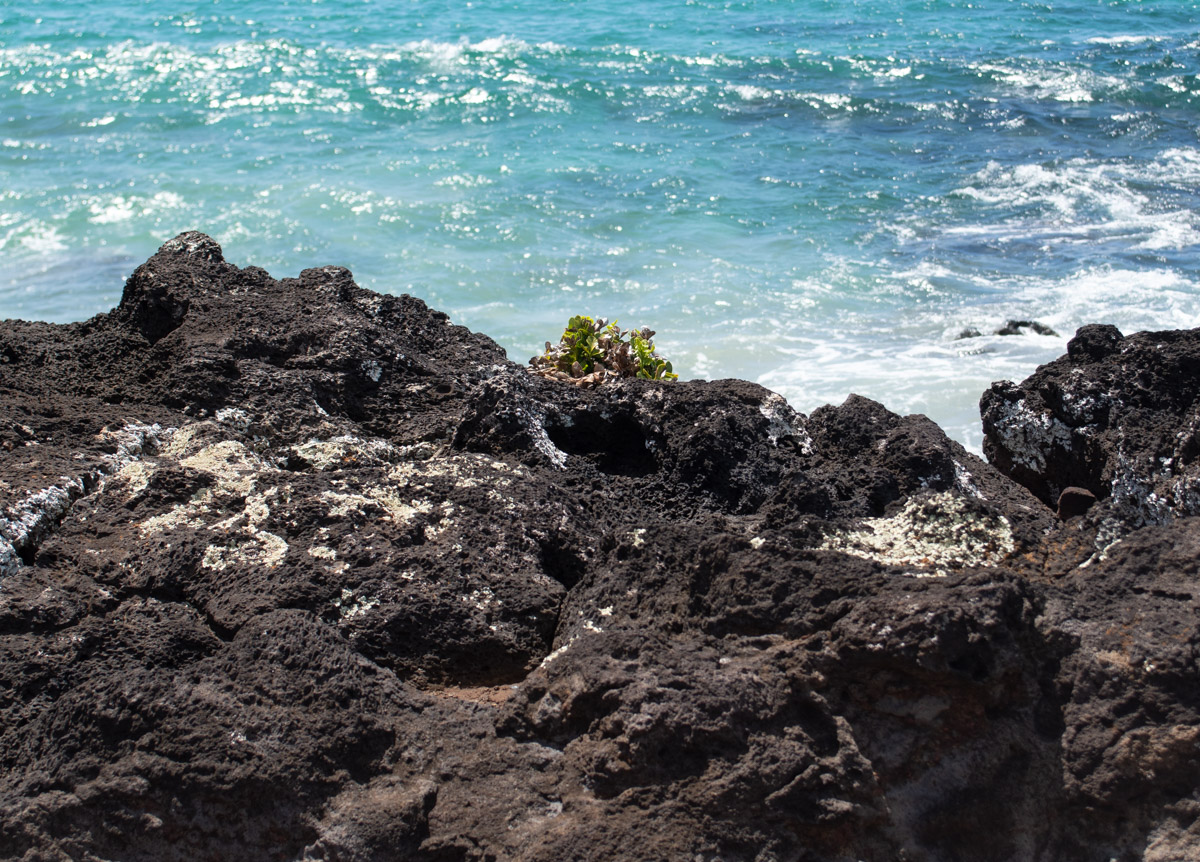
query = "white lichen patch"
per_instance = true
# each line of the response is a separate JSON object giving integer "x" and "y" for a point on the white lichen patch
{"x": 638, "y": 537}
{"x": 322, "y": 552}
{"x": 395, "y": 507}
{"x": 347, "y": 451}
{"x": 187, "y": 440}
{"x": 432, "y": 531}
{"x": 133, "y": 440}
{"x": 136, "y": 476}
{"x": 182, "y": 515}
{"x": 237, "y": 472}
{"x": 481, "y": 599}
{"x": 783, "y": 421}
{"x": 500, "y": 502}
{"x": 234, "y": 466}
{"x": 254, "y": 513}
{"x": 235, "y": 418}
{"x": 258, "y": 548}
{"x": 257, "y": 510}
{"x": 372, "y": 369}
{"x": 757, "y": 542}
{"x": 467, "y": 470}
{"x": 965, "y": 482}
{"x": 553, "y": 654}
{"x": 28, "y": 519}
{"x": 942, "y": 531}
{"x": 543, "y": 443}
{"x": 344, "y": 505}
{"x": 400, "y": 510}
{"x": 1028, "y": 435}
{"x": 350, "y": 605}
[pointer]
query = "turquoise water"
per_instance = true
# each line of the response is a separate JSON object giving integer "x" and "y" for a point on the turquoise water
{"x": 816, "y": 195}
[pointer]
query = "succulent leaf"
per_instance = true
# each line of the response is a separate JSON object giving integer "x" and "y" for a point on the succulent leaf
{"x": 592, "y": 350}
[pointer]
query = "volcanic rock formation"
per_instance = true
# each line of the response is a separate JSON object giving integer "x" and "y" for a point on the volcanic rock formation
{"x": 292, "y": 570}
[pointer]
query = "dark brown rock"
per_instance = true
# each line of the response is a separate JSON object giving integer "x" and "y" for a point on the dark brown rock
{"x": 292, "y": 570}
{"x": 1018, "y": 327}
{"x": 1073, "y": 502}
{"x": 1117, "y": 416}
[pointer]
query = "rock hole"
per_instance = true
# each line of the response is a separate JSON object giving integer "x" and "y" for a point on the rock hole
{"x": 562, "y": 562}
{"x": 616, "y": 446}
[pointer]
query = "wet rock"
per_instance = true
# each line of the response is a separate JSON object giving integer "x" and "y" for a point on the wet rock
{"x": 293, "y": 570}
{"x": 1012, "y": 327}
{"x": 1117, "y": 416}
{"x": 1018, "y": 327}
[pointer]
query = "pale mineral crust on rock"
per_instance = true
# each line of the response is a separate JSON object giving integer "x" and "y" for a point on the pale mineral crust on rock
{"x": 292, "y": 570}
{"x": 1118, "y": 417}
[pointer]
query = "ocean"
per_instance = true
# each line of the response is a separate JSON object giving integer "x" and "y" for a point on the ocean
{"x": 818, "y": 196}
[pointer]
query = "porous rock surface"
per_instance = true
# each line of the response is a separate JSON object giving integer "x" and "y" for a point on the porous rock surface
{"x": 292, "y": 570}
{"x": 1117, "y": 416}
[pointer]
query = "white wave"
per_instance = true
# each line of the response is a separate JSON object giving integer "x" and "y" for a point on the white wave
{"x": 901, "y": 345}
{"x": 922, "y": 277}
{"x": 499, "y": 44}
{"x": 474, "y": 96}
{"x": 447, "y": 55}
{"x": 940, "y": 379}
{"x": 230, "y": 77}
{"x": 777, "y": 181}
{"x": 117, "y": 208}
{"x": 1123, "y": 40}
{"x": 1053, "y": 81}
{"x": 464, "y": 181}
{"x": 1071, "y": 195}
{"x": 1175, "y": 83}
{"x": 750, "y": 93}
{"x": 1129, "y": 299}
{"x": 838, "y": 101}
{"x": 40, "y": 238}
{"x": 522, "y": 78}
{"x": 15, "y": 144}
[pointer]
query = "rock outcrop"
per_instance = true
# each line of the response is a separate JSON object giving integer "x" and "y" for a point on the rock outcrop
{"x": 1116, "y": 417}
{"x": 292, "y": 570}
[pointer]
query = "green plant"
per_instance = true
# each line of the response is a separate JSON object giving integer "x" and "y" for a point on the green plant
{"x": 649, "y": 364}
{"x": 594, "y": 350}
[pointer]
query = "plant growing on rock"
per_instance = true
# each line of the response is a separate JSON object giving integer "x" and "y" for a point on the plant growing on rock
{"x": 592, "y": 350}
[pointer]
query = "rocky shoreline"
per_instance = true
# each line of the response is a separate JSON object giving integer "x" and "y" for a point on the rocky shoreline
{"x": 293, "y": 570}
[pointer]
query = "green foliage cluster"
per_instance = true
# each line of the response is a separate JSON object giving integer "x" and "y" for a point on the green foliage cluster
{"x": 594, "y": 350}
